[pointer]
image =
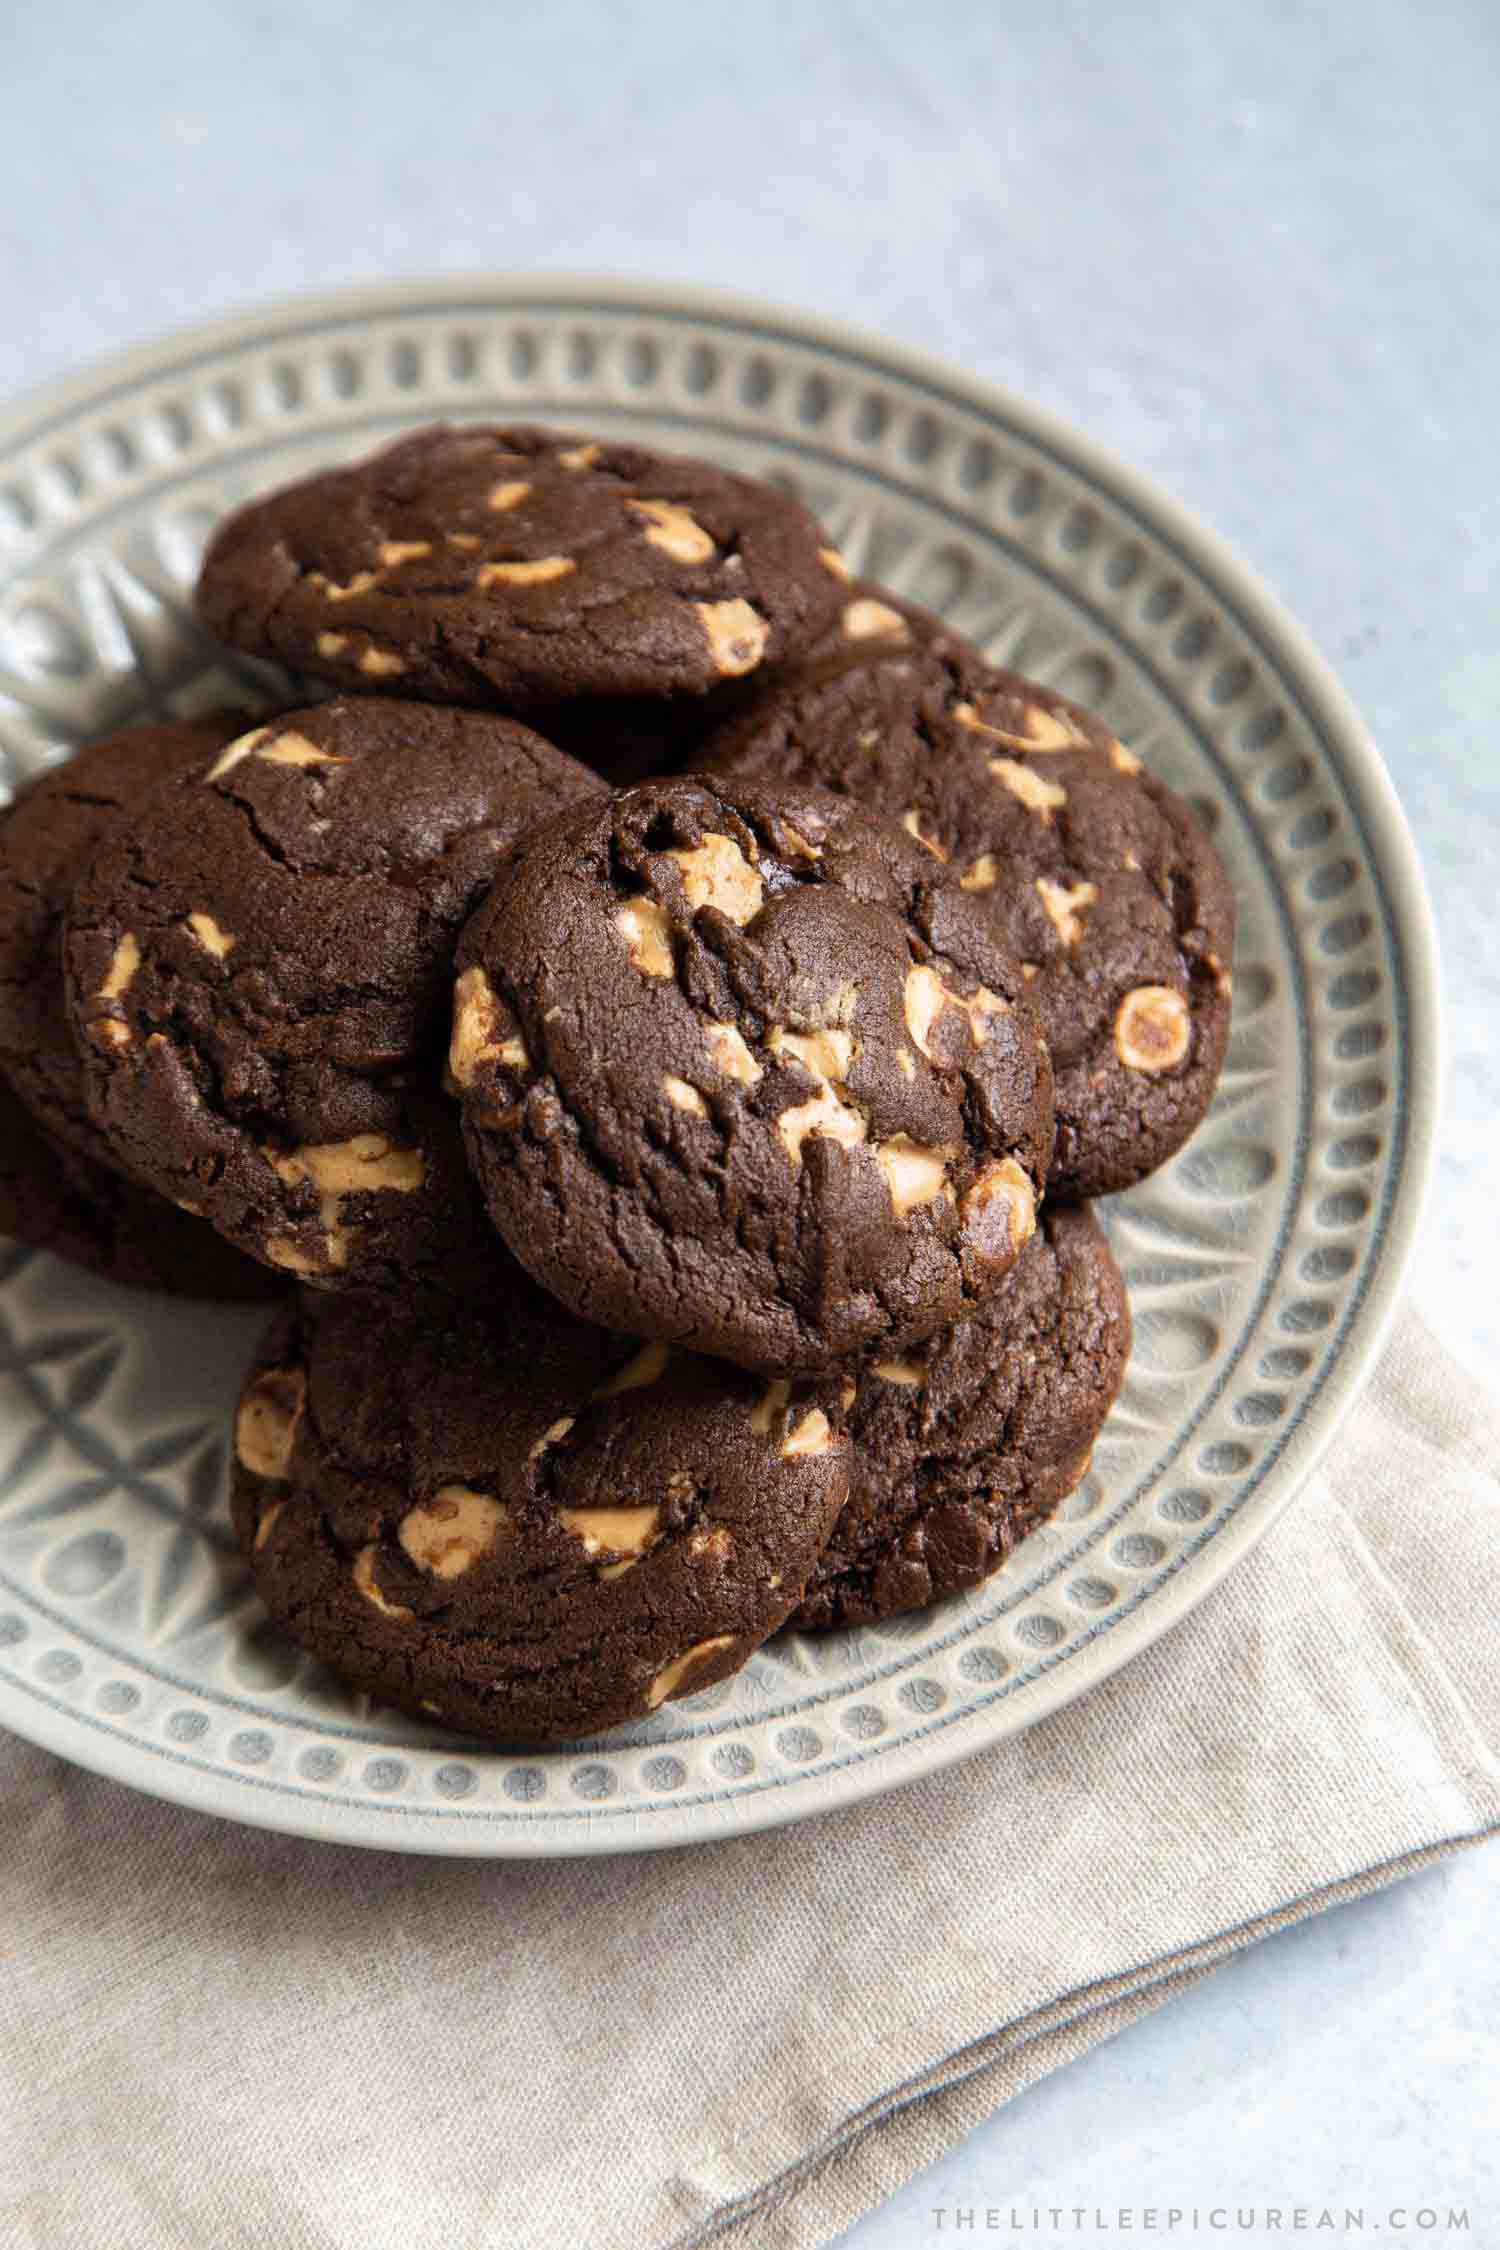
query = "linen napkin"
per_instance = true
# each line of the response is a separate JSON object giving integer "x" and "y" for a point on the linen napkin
{"x": 213, "y": 2036}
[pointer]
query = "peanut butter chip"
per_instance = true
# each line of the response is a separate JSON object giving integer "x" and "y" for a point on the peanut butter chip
{"x": 290, "y": 749}
{"x": 719, "y": 1543}
{"x": 967, "y": 716}
{"x": 643, "y": 926}
{"x": 681, "y": 1668}
{"x": 826, "y": 1054}
{"x": 336, "y": 1169}
{"x": 867, "y": 620}
{"x": 999, "y": 1212}
{"x": 1123, "y": 760}
{"x": 982, "y": 876}
{"x": 613, "y": 1531}
{"x": 683, "y": 1096}
{"x": 1051, "y": 730}
{"x": 123, "y": 964}
{"x": 729, "y": 1053}
{"x": 361, "y": 1165}
{"x": 1037, "y": 795}
{"x": 927, "y": 996}
{"x": 232, "y": 752}
{"x": 912, "y": 822}
{"x": 716, "y": 873}
{"x": 395, "y": 552}
{"x": 381, "y": 663}
{"x": 510, "y": 495}
{"x": 209, "y": 935}
{"x": 365, "y": 1581}
{"x": 648, "y": 1366}
{"x": 1152, "y": 1028}
{"x": 360, "y": 583}
{"x": 1042, "y": 730}
{"x": 267, "y": 1524}
{"x": 483, "y": 1030}
{"x": 832, "y": 560}
{"x": 910, "y": 1374}
{"x": 447, "y": 1534}
{"x": 811, "y": 1435}
{"x": 332, "y": 644}
{"x": 825, "y": 1115}
{"x": 538, "y": 573}
{"x": 674, "y": 529}
{"x": 1066, "y": 906}
{"x": 552, "y": 1435}
{"x": 914, "y": 1175}
{"x": 770, "y": 1406}
{"x": 579, "y": 457}
{"x": 979, "y": 1007}
{"x": 737, "y": 636}
{"x": 265, "y": 1427}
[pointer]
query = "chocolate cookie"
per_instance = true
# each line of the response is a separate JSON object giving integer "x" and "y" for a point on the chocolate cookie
{"x": 521, "y": 568}
{"x": 742, "y": 1070}
{"x": 52, "y": 1198}
{"x": 1097, "y": 874}
{"x": 47, "y": 839}
{"x": 962, "y": 1447}
{"x": 496, "y": 1515}
{"x": 258, "y": 974}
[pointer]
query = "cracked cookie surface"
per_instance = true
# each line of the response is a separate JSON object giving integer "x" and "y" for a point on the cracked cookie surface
{"x": 962, "y": 1446}
{"x": 522, "y": 567}
{"x": 742, "y": 1070}
{"x": 258, "y": 973}
{"x": 1099, "y": 877}
{"x": 513, "y": 1522}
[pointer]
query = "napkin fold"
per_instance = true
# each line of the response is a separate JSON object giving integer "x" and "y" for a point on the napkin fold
{"x": 211, "y": 2035}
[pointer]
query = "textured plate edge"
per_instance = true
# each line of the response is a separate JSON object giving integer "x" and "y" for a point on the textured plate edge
{"x": 1413, "y": 933}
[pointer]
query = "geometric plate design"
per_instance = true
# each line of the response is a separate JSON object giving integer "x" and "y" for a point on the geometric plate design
{"x": 1263, "y": 1265}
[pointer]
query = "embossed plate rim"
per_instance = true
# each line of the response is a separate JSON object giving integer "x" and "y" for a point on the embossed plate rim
{"x": 1391, "y": 860}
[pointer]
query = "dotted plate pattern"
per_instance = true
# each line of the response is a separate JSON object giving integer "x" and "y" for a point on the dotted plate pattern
{"x": 1263, "y": 1264}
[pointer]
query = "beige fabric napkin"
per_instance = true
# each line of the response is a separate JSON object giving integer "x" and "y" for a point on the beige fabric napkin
{"x": 212, "y": 2036}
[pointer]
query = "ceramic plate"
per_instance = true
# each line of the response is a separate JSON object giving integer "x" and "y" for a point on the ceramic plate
{"x": 1263, "y": 1264}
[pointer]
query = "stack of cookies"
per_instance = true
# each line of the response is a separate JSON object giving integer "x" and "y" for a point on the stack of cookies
{"x": 656, "y": 1030}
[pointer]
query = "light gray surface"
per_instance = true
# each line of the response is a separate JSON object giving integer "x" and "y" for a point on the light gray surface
{"x": 1253, "y": 248}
